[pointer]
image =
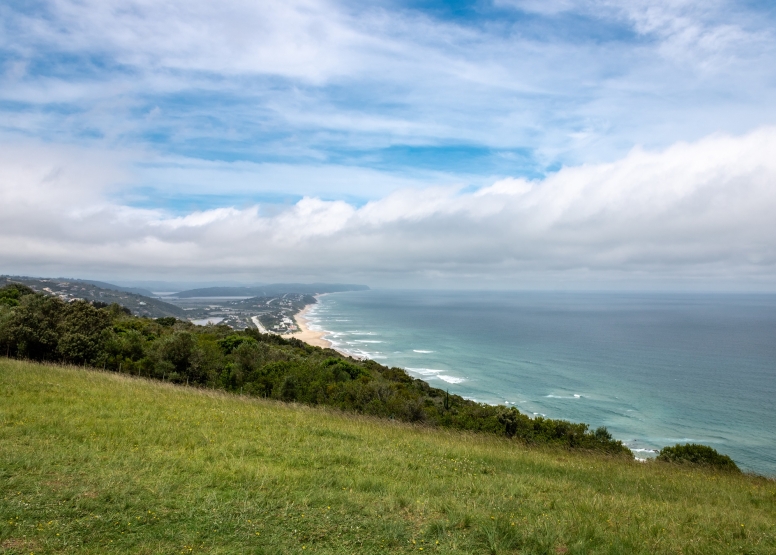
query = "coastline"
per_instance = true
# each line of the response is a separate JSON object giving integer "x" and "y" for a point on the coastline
{"x": 314, "y": 338}
{"x": 311, "y": 337}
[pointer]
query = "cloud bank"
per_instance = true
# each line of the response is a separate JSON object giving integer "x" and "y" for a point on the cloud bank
{"x": 463, "y": 144}
{"x": 699, "y": 212}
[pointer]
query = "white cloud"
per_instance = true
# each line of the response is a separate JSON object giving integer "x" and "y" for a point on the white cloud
{"x": 304, "y": 38}
{"x": 703, "y": 35}
{"x": 307, "y": 94}
{"x": 700, "y": 211}
{"x": 308, "y": 78}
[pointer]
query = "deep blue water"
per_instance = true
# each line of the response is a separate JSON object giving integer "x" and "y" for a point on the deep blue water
{"x": 656, "y": 369}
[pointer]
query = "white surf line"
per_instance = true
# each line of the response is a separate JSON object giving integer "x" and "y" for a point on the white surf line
{"x": 255, "y": 320}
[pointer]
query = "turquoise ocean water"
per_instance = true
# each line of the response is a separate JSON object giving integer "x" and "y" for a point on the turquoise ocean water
{"x": 656, "y": 369}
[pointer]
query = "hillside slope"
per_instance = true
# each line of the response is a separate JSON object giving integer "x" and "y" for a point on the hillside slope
{"x": 69, "y": 290}
{"x": 94, "y": 462}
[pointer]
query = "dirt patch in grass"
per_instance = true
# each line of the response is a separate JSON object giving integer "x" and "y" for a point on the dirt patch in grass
{"x": 13, "y": 544}
{"x": 55, "y": 485}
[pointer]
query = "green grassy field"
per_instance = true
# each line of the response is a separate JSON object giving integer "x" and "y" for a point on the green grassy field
{"x": 92, "y": 462}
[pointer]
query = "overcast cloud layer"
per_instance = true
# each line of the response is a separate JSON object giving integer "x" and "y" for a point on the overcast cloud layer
{"x": 599, "y": 143}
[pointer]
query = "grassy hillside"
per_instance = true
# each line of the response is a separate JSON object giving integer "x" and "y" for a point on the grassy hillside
{"x": 93, "y": 462}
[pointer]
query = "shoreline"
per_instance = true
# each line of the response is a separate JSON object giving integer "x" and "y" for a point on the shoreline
{"x": 311, "y": 337}
{"x": 314, "y": 338}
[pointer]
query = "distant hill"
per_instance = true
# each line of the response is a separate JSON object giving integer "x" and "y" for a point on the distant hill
{"x": 170, "y": 286}
{"x": 271, "y": 290}
{"x": 71, "y": 289}
{"x": 110, "y": 286}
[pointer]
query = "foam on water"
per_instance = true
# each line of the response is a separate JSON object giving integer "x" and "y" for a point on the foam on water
{"x": 450, "y": 379}
{"x": 432, "y": 373}
{"x": 424, "y": 371}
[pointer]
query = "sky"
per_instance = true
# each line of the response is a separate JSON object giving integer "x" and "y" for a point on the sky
{"x": 515, "y": 144}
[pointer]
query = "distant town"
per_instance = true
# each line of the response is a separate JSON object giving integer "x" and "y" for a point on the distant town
{"x": 270, "y": 314}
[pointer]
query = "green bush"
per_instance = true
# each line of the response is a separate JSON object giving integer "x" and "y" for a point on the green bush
{"x": 230, "y": 343}
{"x": 12, "y": 293}
{"x": 702, "y": 455}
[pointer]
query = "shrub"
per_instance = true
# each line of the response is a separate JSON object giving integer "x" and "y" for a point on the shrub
{"x": 702, "y": 455}
{"x": 338, "y": 364}
{"x": 229, "y": 343}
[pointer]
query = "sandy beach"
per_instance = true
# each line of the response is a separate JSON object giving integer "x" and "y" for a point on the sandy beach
{"x": 306, "y": 334}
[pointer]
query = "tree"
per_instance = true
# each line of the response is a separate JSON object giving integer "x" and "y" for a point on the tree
{"x": 11, "y": 294}
{"x": 81, "y": 332}
{"x": 33, "y": 329}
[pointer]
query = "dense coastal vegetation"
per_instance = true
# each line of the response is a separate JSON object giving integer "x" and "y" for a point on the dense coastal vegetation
{"x": 96, "y": 462}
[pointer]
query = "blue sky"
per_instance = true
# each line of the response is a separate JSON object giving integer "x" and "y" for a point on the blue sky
{"x": 189, "y": 107}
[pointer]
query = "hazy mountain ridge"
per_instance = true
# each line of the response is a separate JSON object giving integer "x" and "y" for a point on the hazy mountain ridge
{"x": 112, "y": 287}
{"x": 72, "y": 289}
{"x": 271, "y": 290}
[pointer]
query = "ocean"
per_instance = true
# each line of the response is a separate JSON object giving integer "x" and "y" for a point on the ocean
{"x": 656, "y": 369}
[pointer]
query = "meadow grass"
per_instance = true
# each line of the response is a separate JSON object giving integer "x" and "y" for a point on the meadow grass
{"x": 93, "y": 462}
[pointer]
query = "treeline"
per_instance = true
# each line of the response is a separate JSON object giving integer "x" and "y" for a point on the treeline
{"x": 44, "y": 328}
